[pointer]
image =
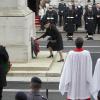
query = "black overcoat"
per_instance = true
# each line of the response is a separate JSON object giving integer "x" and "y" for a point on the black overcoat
{"x": 55, "y": 41}
{"x": 69, "y": 25}
{"x": 89, "y": 22}
{"x": 51, "y": 16}
{"x": 4, "y": 66}
{"x": 78, "y": 17}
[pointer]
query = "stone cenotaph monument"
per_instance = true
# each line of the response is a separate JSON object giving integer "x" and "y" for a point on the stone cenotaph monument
{"x": 16, "y": 27}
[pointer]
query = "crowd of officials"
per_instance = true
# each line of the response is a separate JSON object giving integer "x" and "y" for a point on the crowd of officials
{"x": 70, "y": 17}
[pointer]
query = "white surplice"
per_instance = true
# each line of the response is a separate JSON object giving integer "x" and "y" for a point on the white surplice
{"x": 76, "y": 76}
{"x": 96, "y": 80}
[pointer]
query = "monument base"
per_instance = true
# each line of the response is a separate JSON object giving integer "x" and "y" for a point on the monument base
{"x": 16, "y": 29}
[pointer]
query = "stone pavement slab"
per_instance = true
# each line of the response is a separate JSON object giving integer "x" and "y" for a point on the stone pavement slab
{"x": 51, "y": 75}
{"x": 38, "y": 64}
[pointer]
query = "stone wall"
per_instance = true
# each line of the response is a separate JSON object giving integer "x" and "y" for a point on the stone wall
{"x": 17, "y": 25}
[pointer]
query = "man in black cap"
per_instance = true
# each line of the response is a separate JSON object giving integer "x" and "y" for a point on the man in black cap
{"x": 35, "y": 86}
{"x": 69, "y": 21}
{"x": 21, "y": 96}
{"x": 89, "y": 22}
{"x": 61, "y": 11}
{"x": 51, "y": 15}
{"x": 97, "y": 13}
{"x": 78, "y": 16}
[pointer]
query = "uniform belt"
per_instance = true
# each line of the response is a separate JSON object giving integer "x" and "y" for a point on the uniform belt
{"x": 50, "y": 18}
{"x": 70, "y": 17}
{"x": 90, "y": 18}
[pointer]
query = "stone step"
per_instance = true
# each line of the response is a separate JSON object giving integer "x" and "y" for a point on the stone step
{"x": 34, "y": 73}
{"x": 41, "y": 63}
{"x": 57, "y": 67}
{"x": 54, "y": 71}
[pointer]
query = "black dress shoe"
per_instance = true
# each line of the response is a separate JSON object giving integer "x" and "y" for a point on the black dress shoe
{"x": 51, "y": 56}
{"x": 70, "y": 38}
{"x": 86, "y": 36}
{"x": 62, "y": 60}
{"x": 90, "y": 38}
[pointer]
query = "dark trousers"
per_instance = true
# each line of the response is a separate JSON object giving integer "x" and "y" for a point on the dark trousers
{"x": 69, "y": 34}
{"x": 90, "y": 33}
{"x": 97, "y": 26}
{"x": 1, "y": 90}
{"x": 77, "y": 27}
{"x": 61, "y": 18}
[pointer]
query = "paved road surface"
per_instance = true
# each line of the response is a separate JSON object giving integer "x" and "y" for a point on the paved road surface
{"x": 54, "y": 94}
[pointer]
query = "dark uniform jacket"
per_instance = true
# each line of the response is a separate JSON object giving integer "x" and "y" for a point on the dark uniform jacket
{"x": 4, "y": 67}
{"x": 69, "y": 25}
{"x": 98, "y": 15}
{"x": 61, "y": 9}
{"x": 55, "y": 41}
{"x": 51, "y": 16}
{"x": 35, "y": 96}
{"x": 89, "y": 21}
{"x": 78, "y": 17}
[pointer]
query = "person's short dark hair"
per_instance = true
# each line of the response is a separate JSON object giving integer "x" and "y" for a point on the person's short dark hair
{"x": 98, "y": 95}
{"x": 36, "y": 82}
{"x": 21, "y": 96}
{"x": 79, "y": 42}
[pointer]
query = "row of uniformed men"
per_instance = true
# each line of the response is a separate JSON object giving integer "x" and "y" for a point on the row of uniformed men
{"x": 72, "y": 18}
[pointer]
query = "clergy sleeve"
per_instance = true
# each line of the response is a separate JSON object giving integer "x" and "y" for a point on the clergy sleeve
{"x": 65, "y": 76}
{"x": 89, "y": 71}
{"x": 96, "y": 80}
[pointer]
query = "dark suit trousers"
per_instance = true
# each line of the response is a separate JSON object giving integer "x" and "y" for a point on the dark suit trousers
{"x": 97, "y": 25}
{"x": 61, "y": 17}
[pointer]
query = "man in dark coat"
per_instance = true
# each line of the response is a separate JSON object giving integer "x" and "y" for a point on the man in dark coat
{"x": 61, "y": 12}
{"x": 4, "y": 68}
{"x": 51, "y": 15}
{"x": 97, "y": 14}
{"x": 78, "y": 17}
{"x": 89, "y": 22}
{"x": 55, "y": 42}
{"x": 69, "y": 25}
{"x": 35, "y": 86}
